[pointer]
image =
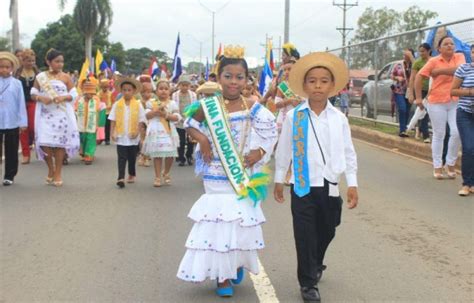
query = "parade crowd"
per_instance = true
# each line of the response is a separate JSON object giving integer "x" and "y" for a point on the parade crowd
{"x": 229, "y": 132}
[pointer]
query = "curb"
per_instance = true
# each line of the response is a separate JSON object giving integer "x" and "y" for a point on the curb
{"x": 403, "y": 145}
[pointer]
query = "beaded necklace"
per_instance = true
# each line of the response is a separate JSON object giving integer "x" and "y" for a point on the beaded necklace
{"x": 245, "y": 122}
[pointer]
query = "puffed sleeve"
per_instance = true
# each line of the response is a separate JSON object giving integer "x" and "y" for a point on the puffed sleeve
{"x": 174, "y": 109}
{"x": 264, "y": 130}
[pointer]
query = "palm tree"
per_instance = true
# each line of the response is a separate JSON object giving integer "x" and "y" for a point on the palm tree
{"x": 15, "y": 26}
{"x": 91, "y": 16}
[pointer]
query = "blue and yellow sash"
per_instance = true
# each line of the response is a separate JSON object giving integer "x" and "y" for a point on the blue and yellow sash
{"x": 300, "y": 152}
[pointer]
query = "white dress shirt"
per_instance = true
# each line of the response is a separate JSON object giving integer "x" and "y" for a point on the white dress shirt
{"x": 332, "y": 129}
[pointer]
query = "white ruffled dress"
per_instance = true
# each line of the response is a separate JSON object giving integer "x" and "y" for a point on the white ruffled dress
{"x": 227, "y": 231}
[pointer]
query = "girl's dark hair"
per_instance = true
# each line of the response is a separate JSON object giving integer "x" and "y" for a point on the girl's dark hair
{"x": 442, "y": 39}
{"x": 323, "y": 67}
{"x": 411, "y": 51}
{"x": 232, "y": 61}
{"x": 472, "y": 46}
{"x": 53, "y": 54}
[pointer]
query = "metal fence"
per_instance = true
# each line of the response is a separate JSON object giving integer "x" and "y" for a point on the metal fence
{"x": 379, "y": 56}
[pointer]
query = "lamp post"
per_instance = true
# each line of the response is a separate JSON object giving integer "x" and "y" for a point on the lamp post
{"x": 213, "y": 12}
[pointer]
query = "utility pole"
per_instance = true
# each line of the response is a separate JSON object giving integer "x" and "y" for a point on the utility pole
{"x": 213, "y": 12}
{"x": 286, "y": 38}
{"x": 344, "y": 30}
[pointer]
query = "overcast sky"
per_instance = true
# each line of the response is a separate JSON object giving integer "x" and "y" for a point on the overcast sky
{"x": 155, "y": 23}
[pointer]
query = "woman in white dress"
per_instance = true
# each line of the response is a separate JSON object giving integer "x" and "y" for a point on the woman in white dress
{"x": 56, "y": 134}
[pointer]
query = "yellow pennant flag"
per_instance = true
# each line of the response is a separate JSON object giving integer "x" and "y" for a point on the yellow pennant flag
{"x": 83, "y": 74}
{"x": 98, "y": 61}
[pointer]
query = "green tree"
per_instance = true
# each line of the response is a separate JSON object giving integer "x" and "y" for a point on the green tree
{"x": 4, "y": 44}
{"x": 117, "y": 52}
{"x": 64, "y": 36}
{"x": 384, "y": 22}
{"x": 139, "y": 58}
{"x": 91, "y": 17}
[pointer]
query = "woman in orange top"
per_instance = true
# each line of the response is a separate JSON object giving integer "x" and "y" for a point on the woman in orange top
{"x": 441, "y": 105}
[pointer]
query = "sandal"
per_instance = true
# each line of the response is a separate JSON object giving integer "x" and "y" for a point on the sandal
{"x": 438, "y": 176}
{"x": 451, "y": 173}
{"x": 58, "y": 183}
{"x": 464, "y": 191}
{"x": 26, "y": 160}
{"x": 167, "y": 178}
{"x": 49, "y": 180}
{"x": 131, "y": 179}
{"x": 157, "y": 182}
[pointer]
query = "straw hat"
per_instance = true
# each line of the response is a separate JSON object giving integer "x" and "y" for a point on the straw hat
{"x": 122, "y": 80}
{"x": 184, "y": 79}
{"x": 104, "y": 83}
{"x": 333, "y": 63}
{"x": 89, "y": 88}
{"x": 12, "y": 58}
{"x": 208, "y": 87}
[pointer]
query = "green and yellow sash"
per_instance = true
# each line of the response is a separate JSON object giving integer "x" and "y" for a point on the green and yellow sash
{"x": 244, "y": 186}
{"x": 87, "y": 114}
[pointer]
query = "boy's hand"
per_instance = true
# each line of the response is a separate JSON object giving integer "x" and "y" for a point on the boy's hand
{"x": 278, "y": 193}
{"x": 352, "y": 197}
{"x": 114, "y": 137}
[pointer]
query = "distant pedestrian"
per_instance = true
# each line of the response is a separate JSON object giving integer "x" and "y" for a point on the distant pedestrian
{"x": 421, "y": 112}
{"x": 401, "y": 75}
{"x": 13, "y": 117}
{"x": 344, "y": 100}
{"x": 441, "y": 105}
{"x": 463, "y": 86}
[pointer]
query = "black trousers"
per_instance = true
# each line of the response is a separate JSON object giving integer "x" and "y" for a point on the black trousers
{"x": 315, "y": 217}
{"x": 107, "y": 129}
{"x": 10, "y": 138}
{"x": 184, "y": 142}
{"x": 126, "y": 154}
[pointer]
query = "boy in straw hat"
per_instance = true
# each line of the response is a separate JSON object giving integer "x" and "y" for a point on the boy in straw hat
{"x": 127, "y": 117}
{"x": 89, "y": 110}
{"x": 13, "y": 116}
{"x": 316, "y": 142}
{"x": 183, "y": 97}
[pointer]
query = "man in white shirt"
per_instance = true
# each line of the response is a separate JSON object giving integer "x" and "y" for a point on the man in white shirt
{"x": 316, "y": 143}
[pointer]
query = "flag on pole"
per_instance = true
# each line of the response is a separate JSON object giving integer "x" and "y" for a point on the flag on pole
{"x": 177, "y": 67}
{"x": 154, "y": 70}
{"x": 206, "y": 74}
{"x": 98, "y": 61}
{"x": 266, "y": 76}
{"x": 113, "y": 66}
{"x": 84, "y": 73}
{"x": 270, "y": 57}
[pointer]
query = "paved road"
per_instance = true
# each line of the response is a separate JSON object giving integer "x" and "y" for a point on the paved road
{"x": 410, "y": 240}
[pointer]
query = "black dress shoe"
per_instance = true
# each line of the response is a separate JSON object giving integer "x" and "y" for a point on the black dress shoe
{"x": 310, "y": 294}
{"x": 190, "y": 161}
{"x": 182, "y": 163}
{"x": 319, "y": 273}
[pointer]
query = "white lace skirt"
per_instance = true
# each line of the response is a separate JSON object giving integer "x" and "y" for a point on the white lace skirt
{"x": 226, "y": 235}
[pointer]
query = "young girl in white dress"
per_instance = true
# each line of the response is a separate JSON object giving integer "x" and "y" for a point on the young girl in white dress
{"x": 162, "y": 139}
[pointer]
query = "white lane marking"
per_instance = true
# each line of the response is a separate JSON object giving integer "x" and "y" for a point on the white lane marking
{"x": 263, "y": 286}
